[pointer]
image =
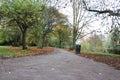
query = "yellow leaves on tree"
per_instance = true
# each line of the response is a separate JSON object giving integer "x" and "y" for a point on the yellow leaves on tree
{"x": 59, "y": 27}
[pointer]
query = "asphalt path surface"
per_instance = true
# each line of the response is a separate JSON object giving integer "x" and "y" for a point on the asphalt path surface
{"x": 58, "y": 65}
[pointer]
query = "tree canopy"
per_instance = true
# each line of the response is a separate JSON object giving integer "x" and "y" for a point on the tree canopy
{"x": 22, "y": 14}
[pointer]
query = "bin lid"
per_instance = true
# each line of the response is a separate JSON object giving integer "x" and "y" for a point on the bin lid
{"x": 78, "y": 42}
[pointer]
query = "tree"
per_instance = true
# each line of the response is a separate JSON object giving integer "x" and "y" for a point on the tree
{"x": 33, "y": 36}
{"x": 85, "y": 45}
{"x": 10, "y": 36}
{"x": 50, "y": 17}
{"x": 101, "y": 7}
{"x": 62, "y": 29}
{"x": 22, "y": 13}
{"x": 48, "y": 20}
{"x": 114, "y": 41}
{"x": 108, "y": 10}
{"x": 110, "y": 13}
{"x": 81, "y": 20}
{"x": 40, "y": 33}
{"x": 62, "y": 32}
{"x": 95, "y": 41}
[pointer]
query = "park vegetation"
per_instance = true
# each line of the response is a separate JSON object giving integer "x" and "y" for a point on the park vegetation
{"x": 40, "y": 23}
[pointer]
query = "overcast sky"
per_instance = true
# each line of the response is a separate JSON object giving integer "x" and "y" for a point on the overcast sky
{"x": 69, "y": 12}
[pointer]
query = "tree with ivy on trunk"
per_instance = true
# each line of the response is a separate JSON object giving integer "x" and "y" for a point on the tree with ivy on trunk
{"x": 22, "y": 13}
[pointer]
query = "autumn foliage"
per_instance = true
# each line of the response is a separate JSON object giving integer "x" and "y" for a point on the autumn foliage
{"x": 31, "y": 51}
{"x": 113, "y": 61}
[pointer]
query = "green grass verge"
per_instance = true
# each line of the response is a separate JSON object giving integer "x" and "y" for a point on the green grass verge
{"x": 5, "y": 53}
{"x": 103, "y": 53}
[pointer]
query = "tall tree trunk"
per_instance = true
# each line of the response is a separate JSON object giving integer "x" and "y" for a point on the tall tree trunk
{"x": 60, "y": 44}
{"x": 43, "y": 42}
{"x": 74, "y": 23}
{"x": 74, "y": 37}
{"x": 59, "y": 37}
{"x": 24, "y": 39}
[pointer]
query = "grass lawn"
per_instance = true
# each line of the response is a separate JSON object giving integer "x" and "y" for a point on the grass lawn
{"x": 9, "y": 51}
{"x": 102, "y": 53}
{"x": 5, "y": 53}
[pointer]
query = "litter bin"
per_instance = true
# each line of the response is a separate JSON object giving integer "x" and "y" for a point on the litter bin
{"x": 78, "y": 46}
{"x": 78, "y": 49}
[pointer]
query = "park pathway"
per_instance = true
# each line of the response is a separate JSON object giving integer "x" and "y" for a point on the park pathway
{"x": 59, "y": 65}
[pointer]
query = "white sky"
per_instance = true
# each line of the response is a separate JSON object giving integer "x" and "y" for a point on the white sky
{"x": 69, "y": 12}
{"x": 65, "y": 7}
{"x": 109, "y": 4}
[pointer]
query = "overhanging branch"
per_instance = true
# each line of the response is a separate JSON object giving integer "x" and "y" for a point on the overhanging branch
{"x": 110, "y": 12}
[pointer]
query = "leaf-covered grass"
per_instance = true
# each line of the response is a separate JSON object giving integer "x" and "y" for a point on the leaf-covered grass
{"x": 107, "y": 58}
{"x": 102, "y": 53}
{"x": 113, "y": 61}
{"x": 5, "y": 53}
{"x": 9, "y": 51}
{"x": 90, "y": 52}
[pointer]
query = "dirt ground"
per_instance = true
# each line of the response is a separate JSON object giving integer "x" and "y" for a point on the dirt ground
{"x": 113, "y": 61}
{"x": 58, "y": 65}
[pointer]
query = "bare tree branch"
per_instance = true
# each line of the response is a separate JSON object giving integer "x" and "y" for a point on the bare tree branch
{"x": 110, "y": 12}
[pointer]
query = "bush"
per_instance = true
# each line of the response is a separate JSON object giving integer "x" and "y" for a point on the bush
{"x": 115, "y": 50}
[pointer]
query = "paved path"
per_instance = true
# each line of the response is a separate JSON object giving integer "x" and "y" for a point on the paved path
{"x": 60, "y": 65}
